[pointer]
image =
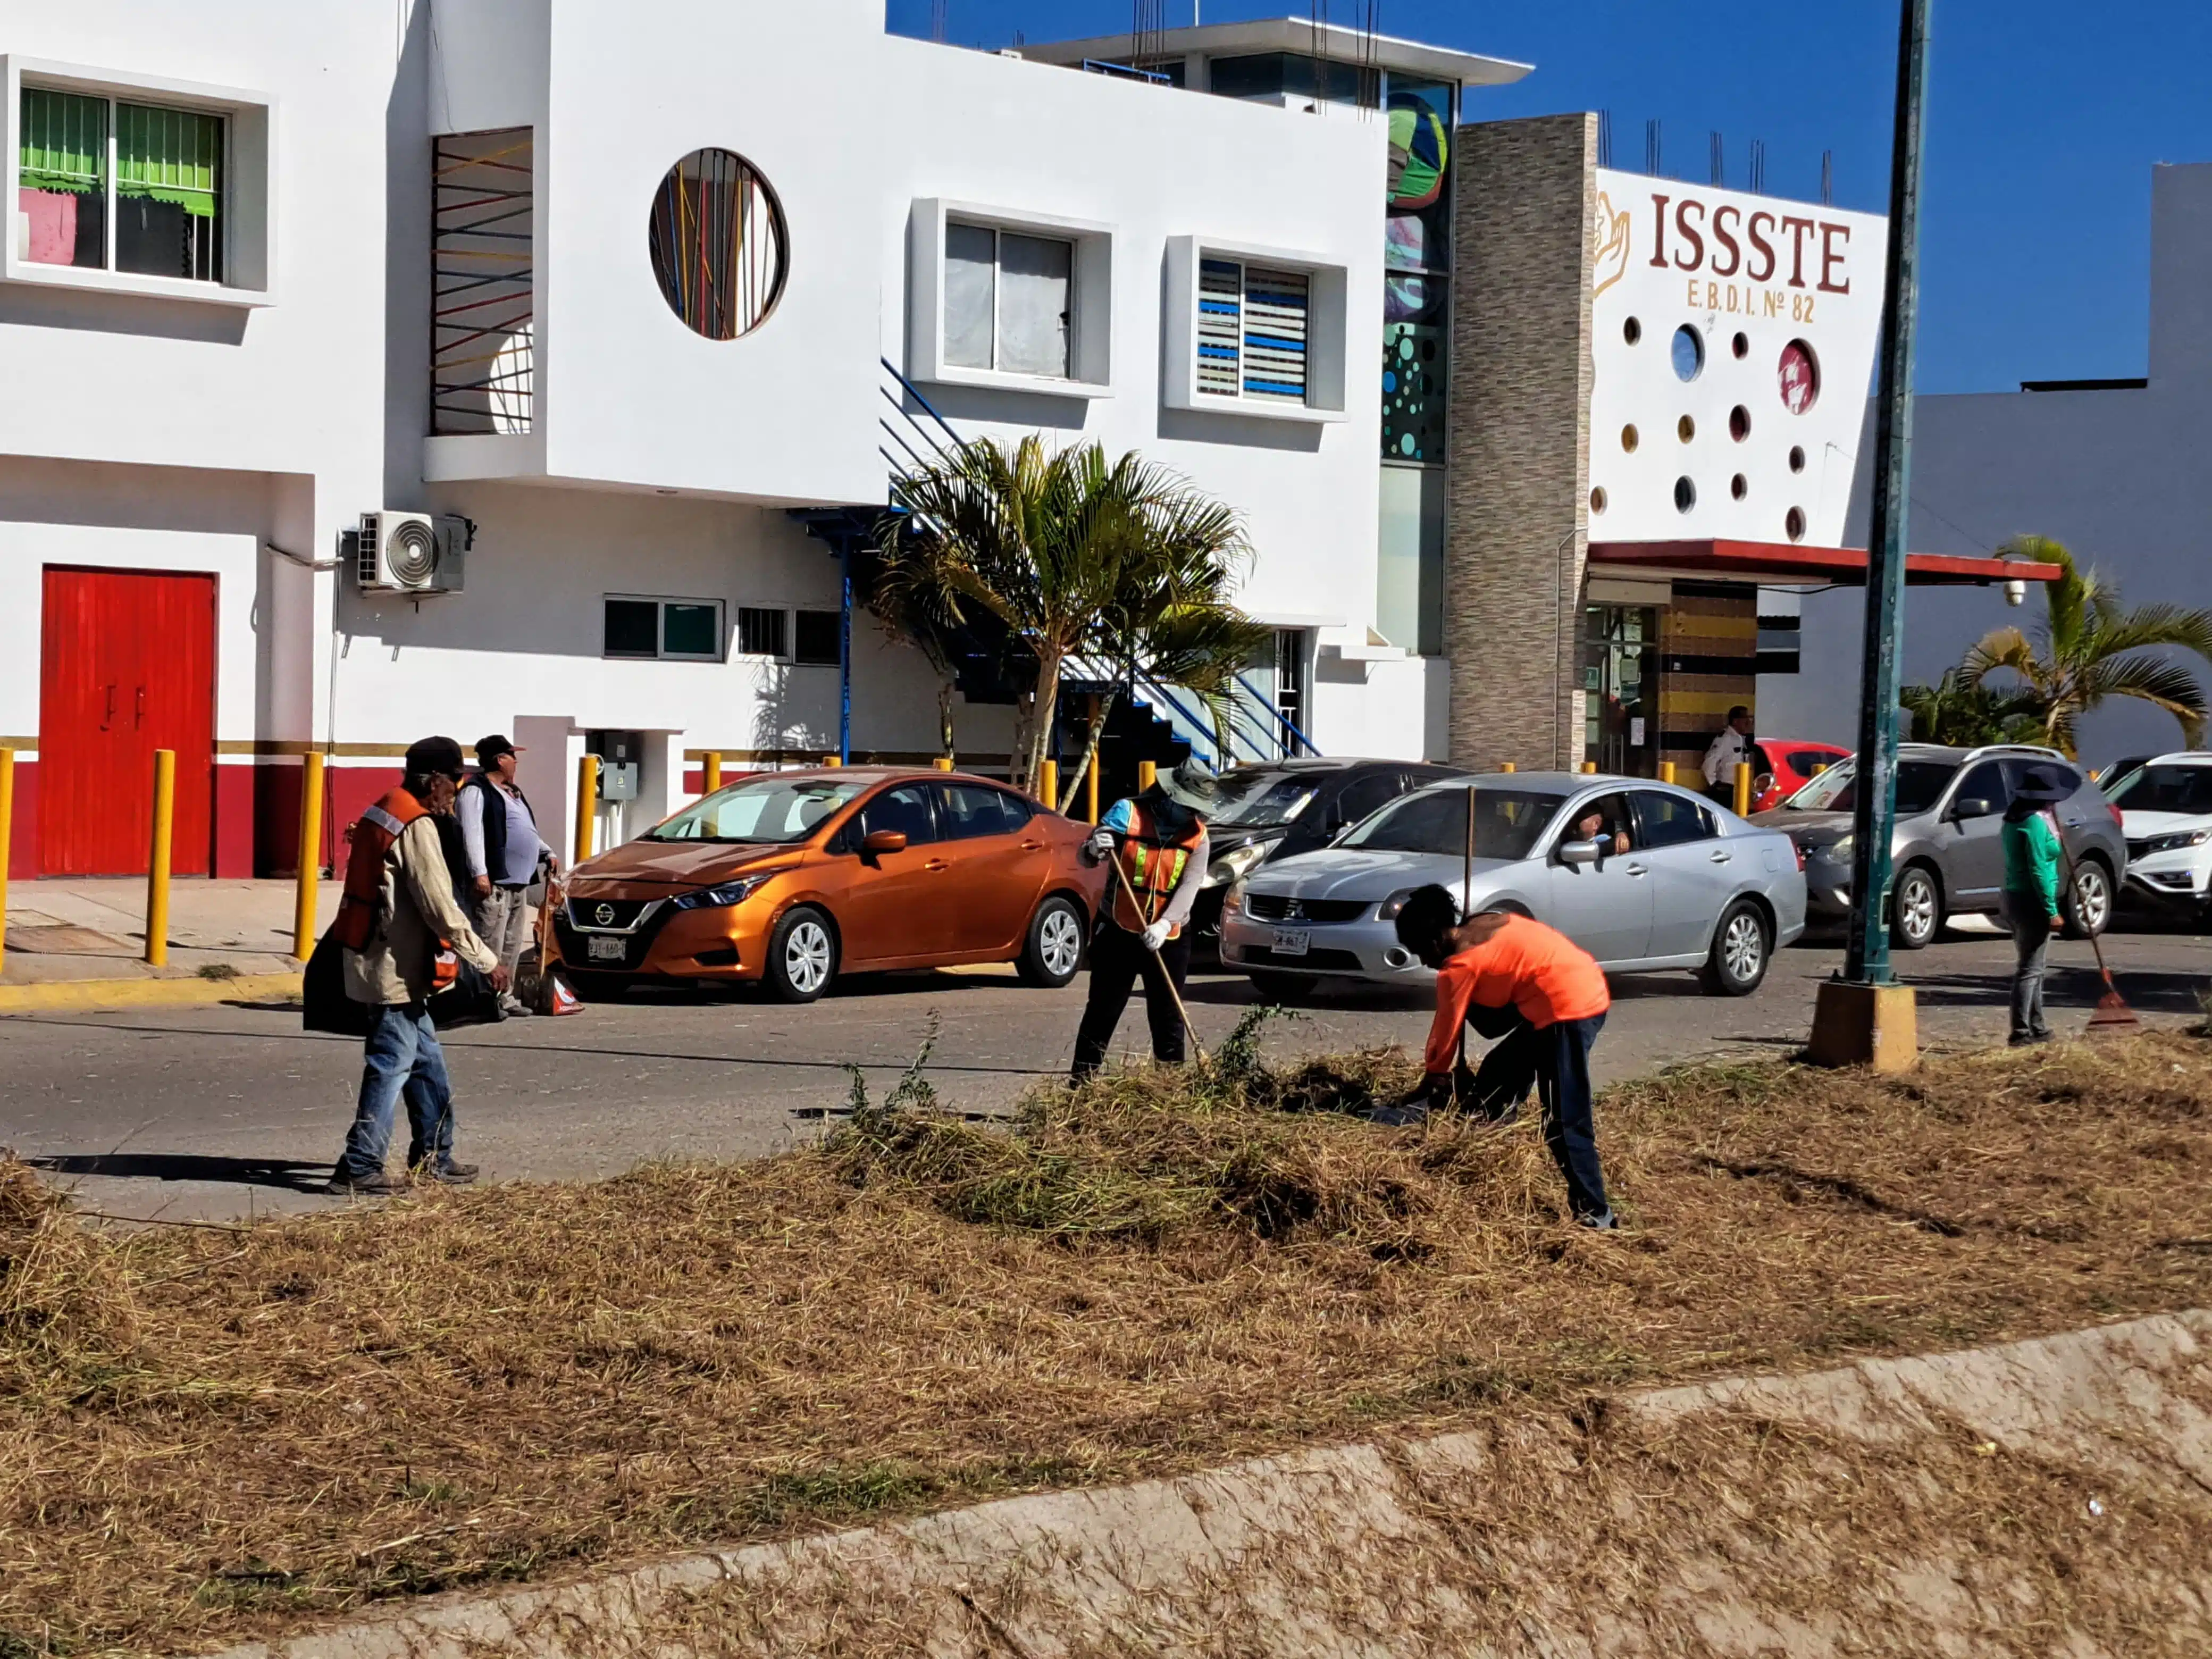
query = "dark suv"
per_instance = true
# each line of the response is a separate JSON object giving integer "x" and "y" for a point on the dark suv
{"x": 1950, "y": 805}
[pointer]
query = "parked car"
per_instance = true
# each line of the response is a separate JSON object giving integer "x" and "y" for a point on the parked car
{"x": 2166, "y": 812}
{"x": 1643, "y": 876}
{"x": 1790, "y": 767}
{"x": 1945, "y": 853}
{"x": 790, "y": 878}
{"x": 1282, "y": 808}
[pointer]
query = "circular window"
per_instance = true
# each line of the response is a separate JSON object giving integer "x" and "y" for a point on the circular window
{"x": 1597, "y": 505}
{"x": 1631, "y": 331}
{"x": 1741, "y": 344}
{"x": 1796, "y": 457}
{"x": 1628, "y": 438}
{"x": 1685, "y": 429}
{"x": 718, "y": 248}
{"x": 1686, "y": 495}
{"x": 1689, "y": 353}
{"x": 1800, "y": 375}
{"x": 1793, "y": 522}
{"x": 1738, "y": 423}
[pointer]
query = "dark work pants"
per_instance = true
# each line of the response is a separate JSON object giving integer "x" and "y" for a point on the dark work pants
{"x": 1562, "y": 1084}
{"x": 1497, "y": 1087}
{"x": 1118, "y": 957}
{"x": 2031, "y": 942}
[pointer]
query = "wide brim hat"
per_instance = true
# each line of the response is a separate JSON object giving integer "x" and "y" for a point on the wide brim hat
{"x": 1192, "y": 785}
{"x": 2042, "y": 785}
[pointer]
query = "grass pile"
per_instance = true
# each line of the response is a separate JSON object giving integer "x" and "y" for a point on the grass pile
{"x": 209, "y": 1436}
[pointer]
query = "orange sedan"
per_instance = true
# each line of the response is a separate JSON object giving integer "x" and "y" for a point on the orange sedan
{"x": 793, "y": 877}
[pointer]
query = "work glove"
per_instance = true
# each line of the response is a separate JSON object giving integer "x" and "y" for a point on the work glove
{"x": 1156, "y": 936}
{"x": 1100, "y": 846}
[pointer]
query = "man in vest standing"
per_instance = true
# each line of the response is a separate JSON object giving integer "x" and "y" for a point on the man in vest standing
{"x": 402, "y": 930}
{"x": 1159, "y": 840}
{"x": 505, "y": 853}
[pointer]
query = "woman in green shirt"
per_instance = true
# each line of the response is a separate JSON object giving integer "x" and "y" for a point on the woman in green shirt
{"x": 2032, "y": 858}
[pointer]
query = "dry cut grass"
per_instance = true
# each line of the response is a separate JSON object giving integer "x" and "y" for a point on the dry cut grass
{"x": 205, "y": 1436}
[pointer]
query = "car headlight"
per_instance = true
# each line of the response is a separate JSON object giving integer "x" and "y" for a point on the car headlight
{"x": 1239, "y": 862}
{"x": 1841, "y": 851}
{"x": 1234, "y": 902}
{"x": 1387, "y": 911}
{"x": 2174, "y": 843}
{"x": 721, "y": 897}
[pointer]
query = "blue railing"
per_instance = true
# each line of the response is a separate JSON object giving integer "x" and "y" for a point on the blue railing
{"x": 1289, "y": 737}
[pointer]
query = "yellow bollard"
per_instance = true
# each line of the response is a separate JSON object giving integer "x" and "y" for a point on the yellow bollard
{"x": 1090, "y": 793}
{"x": 311, "y": 853}
{"x": 587, "y": 806}
{"x": 1147, "y": 775}
{"x": 1820, "y": 768}
{"x": 1507, "y": 766}
{"x": 1743, "y": 789}
{"x": 943, "y": 763}
{"x": 1666, "y": 771}
{"x": 1589, "y": 769}
{"x": 833, "y": 760}
{"x": 7, "y": 821}
{"x": 710, "y": 772}
{"x": 1047, "y": 789}
{"x": 157, "y": 866}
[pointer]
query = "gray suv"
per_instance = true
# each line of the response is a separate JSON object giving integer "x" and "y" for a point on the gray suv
{"x": 1950, "y": 805}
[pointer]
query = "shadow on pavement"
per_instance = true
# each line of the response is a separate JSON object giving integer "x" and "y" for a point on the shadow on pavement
{"x": 2145, "y": 991}
{"x": 290, "y": 1177}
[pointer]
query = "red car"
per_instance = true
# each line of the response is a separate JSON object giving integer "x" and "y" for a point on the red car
{"x": 1791, "y": 767}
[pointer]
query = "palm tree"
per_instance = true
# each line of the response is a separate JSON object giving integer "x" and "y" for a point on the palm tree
{"x": 1962, "y": 711}
{"x": 2090, "y": 648}
{"x": 1073, "y": 556}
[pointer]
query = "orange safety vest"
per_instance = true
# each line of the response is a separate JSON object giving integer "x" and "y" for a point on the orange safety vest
{"x": 1154, "y": 866}
{"x": 372, "y": 840}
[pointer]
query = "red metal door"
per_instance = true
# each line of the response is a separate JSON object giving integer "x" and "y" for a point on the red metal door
{"x": 127, "y": 667}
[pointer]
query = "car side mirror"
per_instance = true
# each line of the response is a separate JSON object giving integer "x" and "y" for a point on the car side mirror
{"x": 1974, "y": 807}
{"x": 1581, "y": 851}
{"x": 880, "y": 841}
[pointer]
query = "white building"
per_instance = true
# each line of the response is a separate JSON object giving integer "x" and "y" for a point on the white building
{"x": 622, "y": 297}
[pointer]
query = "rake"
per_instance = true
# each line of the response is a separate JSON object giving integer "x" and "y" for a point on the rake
{"x": 1166, "y": 978}
{"x": 2113, "y": 1016}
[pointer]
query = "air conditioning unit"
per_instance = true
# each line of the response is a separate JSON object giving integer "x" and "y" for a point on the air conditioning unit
{"x": 408, "y": 552}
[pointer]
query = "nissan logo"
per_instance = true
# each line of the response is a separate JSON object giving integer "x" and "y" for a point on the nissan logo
{"x": 605, "y": 915}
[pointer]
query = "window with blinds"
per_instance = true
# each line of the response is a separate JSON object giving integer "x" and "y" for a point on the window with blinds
{"x": 107, "y": 185}
{"x": 1252, "y": 331}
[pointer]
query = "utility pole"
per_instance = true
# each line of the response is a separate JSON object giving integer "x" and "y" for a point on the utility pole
{"x": 1865, "y": 1016}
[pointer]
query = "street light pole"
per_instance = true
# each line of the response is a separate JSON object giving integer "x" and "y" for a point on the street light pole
{"x": 1850, "y": 1024}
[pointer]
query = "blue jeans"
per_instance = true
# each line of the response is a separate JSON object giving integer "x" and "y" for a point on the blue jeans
{"x": 1563, "y": 1085}
{"x": 401, "y": 1057}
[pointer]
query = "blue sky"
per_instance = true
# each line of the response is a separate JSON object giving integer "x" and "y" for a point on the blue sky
{"x": 2044, "y": 121}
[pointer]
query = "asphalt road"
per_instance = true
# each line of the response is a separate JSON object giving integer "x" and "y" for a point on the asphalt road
{"x": 218, "y": 1113}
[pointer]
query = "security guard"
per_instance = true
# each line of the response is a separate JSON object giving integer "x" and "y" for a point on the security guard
{"x": 1159, "y": 840}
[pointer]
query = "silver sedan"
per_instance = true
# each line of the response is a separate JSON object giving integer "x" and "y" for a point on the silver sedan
{"x": 1642, "y": 875}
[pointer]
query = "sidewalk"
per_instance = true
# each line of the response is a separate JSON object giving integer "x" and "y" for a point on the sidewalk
{"x": 63, "y": 932}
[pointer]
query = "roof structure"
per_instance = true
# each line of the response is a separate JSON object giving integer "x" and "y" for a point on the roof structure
{"x": 1788, "y": 564}
{"x": 1297, "y": 35}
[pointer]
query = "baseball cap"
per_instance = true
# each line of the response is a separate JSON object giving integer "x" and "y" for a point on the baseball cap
{"x": 491, "y": 749}
{"x": 436, "y": 755}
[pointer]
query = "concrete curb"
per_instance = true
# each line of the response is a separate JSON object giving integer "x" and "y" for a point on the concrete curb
{"x": 1350, "y": 1550}
{"x": 103, "y": 995}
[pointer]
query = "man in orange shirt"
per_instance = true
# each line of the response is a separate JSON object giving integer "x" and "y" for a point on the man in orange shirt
{"x": 1560, "y": 1000}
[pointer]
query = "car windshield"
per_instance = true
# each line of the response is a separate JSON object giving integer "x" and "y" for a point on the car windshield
{"x": 2167, "y": 789}
{"x": 1260, "y": 799}
{"x": 767, "y": 809}
{"x": 1920, "y": 785}
{"x": 1507, "y": 822}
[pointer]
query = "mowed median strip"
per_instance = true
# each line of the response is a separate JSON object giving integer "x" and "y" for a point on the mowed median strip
{"x": 213, "y": 1435}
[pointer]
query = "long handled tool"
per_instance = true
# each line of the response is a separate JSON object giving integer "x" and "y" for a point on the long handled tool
{"x": 1166, "y": 978}
{"x": 2112, "y": 1014}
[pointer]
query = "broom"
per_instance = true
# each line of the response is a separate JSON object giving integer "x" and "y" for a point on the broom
{"x": 2112, "y": 1014}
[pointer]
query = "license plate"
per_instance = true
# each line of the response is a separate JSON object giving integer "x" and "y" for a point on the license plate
{"x": 1293, "y": 941}
{"x": 605, "y": 949}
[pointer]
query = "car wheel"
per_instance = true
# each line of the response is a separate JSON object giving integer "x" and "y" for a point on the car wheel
{"x": 802, "y": 955}
{"x": 1742, "y": 949}
{"x": 1287, "y": 989}
{"x": 2087, "y": 910}
{"x": 1053, "y": 950}
{"x": 1916, "y": 908}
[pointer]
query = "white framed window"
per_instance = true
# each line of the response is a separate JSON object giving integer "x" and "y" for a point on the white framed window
{"x": 137, "y": 186}
{"x": 1021, "y": 301}
{"x": 650, "y": 628}
{"x": 1254, "y": 331}
{"x": 806, "y": 637}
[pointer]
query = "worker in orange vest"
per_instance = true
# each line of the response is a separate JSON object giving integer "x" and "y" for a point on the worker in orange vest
{"x": 1159, "y": 839}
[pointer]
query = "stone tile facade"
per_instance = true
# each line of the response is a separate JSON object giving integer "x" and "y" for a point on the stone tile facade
{"x": 1517, "y": 536}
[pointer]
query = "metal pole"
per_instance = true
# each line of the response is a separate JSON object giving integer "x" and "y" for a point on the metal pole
{"x": 845, "y": 656}
{"x": 1467, "y": 863}
{"x": 1866, "y": 958}
{"x": 157, "y": 862}
{"x": 587, "y": 806}
{"x": 311, "y": 855}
